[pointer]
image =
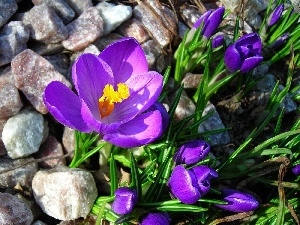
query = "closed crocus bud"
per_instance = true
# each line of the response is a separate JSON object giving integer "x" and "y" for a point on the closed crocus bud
{"x": 189, "y": 185}
{"x": 238, "y": 201}
{"x": 155, "y": 218}
{"x": 275, "y": 15}
{"x": 296, "y": 170}
{"x": 191, "y": 152}
{"x": 125, "y": 199}
{"x": 244, "y": 54}
{"x": 217, "y": 41}
{"x": 279, "y": 41}
{"x": 210, "y": 20}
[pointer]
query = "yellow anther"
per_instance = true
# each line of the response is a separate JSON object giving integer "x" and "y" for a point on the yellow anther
{"x": 110, "y": 97}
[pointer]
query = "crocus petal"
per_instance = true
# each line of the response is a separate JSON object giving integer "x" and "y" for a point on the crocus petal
{"x": 126, "y": 58}
{"x": 125, "y": 199}
{"x": 252, "y": 40}
{"x": 164, "y": 114}
{"x": 141, "y": 130}
{"x": 203, "y": 176}
{"x": 213, "y": 21}
{"x": 90, "y": 75}
{"x": 191, "y": 152}
{"x": 296, "y": 170}
{"x": 238, "y": 201}
{"x": 144, "y": 91}
{"x": 275, "y": 15}
{"x": 155, "y": 218}
{"x": 232, "y": 59}
{"x": 65, "y": 106}
{"x": 251, "y": 63}
{"x": 202, "y": 19}
{"x": 217, "y": 41}
{"x": 181, "y": 185}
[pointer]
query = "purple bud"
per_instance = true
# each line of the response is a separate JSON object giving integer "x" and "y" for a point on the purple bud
{"x": 217, "y": 41}
{"x": 157, "y": 218}
{"x": 244, "y": 54}
{"x": 279, "y": 41}
{"x": 296, "y": 170}
{"x": 210, "y": 20}
{"x": 189, "y": 185}
{"x": 125, "y": 200}
{"x": 275, "y": 15}
{"x": 191, "y": 152}
{"x": 238, "y": 201}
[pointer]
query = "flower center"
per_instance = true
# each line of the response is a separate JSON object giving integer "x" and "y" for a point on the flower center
{"x": 107, "y": 101}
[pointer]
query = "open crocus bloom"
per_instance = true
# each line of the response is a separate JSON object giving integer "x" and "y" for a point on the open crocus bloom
{"x": 245, "y": 54}
{"x": 115, "y": 93}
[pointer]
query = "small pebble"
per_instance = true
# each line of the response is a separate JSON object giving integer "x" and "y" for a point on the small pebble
{"x": 64, "y": 193}
{"x": 79, "y": 6}
{"x": 23, "y": 133}
{"x": 84, "y": 30}
{"x": 14, "y": 211}
{"x": 186, "y": 107}
{"x": 113, "y": 15}
{"x": 20, "y": 173}
{"x": 7, "y": 9}
{"x": 32, "y": 74}
{"x": 45, "y": 25}
{"x": 13, "y": 39}
{"x": 10, "y": 103}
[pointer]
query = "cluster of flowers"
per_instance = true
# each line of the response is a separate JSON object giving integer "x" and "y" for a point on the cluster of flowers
{"x": 187, "y": 185}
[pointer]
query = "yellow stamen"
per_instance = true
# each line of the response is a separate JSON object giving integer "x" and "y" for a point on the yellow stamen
{"x": 107, "y": 101}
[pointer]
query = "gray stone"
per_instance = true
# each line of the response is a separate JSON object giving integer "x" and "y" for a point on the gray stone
{"x": 152, "y": 51}
{"x": 23, "y": 133}
{"x": 39, "y": 222}
{"x": 214, "y": 122}
{"x": 7, "y": 9}
{"x": 79, "y": 6}
{"x": 2, "y": 147}
{"x": 13, "y": 39}
{"x": 51, "y": 148}
{"x": 134, "y": 28}
{"x": 152, "y": 22}
{"x": 18, "y": 172}
{"x": 63, "y": 10}
{"x": 68, "y": 141}
{"x": 191, "y": 80}
{"x": 102, "y": 42}
{"x": 84, "y": 30}
{"x": 45, "y": 25}
{"x": 190, "y": 15}
{"x": 64, "y": 193}
{"x": 10, "y": 103}
{"x": 60, "y": 62}
{"x": 14, "y": 211}
{"x": 32, "y": 74}
{"x": 113, "y": 15}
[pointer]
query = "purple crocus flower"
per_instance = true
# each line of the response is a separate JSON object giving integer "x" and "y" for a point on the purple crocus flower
{"x": 244, "y": 54}
{"x": 275, "y": 15}
{"x": 155, "y": 218}
{"x": 125, "y": 199}
{"x": 210, "y": 20}
{"x": 238, "y": 201}
{"x": 217, "y": 41}
{"x": 115, "y": 93}
{"x": 189, "y": 185}
{"x": 296, "y": 170}
{"x": 191, "y": 152}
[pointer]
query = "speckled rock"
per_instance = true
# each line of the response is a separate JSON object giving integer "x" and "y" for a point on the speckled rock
{"x": 13, "y": 39}
{"x": 64, "y": 193}
{"x": 45, "y": 25}
{"x": 113, "y": 15}
{"x": 32, "y": 74}
{"x": 17, "y": 175}
{"x": 134, "y": 28}
{"x": 84, "y": 30}
{"x": 51, "y": 148}
{"x": 214, "y": 122}
{"x": 7, "y": 9}
{"x": 23, "y": 133}
{"x": 14, "y": 211}
{"x": 68, "y": 140}
{"x": 185, "y": 107}
{"x": 152, "y": 51}
{"x": 2, "y": 147}
{"x": 79, "y": 6}
{"x": 60, "y": 62}
{"x": 10, "y": 103}
{"x": 102, "y": 42}
{"x": 191, "y": 80}
{"x": 61, "y": 7}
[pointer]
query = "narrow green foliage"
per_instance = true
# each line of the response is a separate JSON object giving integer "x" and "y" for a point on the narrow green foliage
{"x": 135, "y": 176}
{"x": 113, "y": 175}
